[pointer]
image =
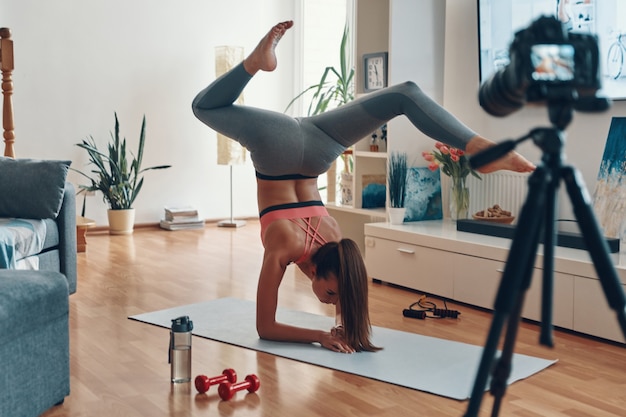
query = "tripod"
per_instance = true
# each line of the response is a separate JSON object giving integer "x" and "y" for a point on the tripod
{"x": 539, "y": 210}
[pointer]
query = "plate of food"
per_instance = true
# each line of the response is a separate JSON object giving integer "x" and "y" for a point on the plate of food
{"x": 495, "y": 214}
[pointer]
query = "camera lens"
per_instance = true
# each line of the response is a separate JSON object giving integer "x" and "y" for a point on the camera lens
{"x": 498, "y": 96}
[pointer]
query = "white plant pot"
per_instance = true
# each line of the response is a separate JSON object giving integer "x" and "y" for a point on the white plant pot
{"x": 396, "y": 214}
{"x": 121, "y": 222}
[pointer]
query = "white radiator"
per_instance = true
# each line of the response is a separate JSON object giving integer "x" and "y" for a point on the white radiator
{"x": 505, "y": 188}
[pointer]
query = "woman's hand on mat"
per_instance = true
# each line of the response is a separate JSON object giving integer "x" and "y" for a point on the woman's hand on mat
{"x": 334, "y": 341}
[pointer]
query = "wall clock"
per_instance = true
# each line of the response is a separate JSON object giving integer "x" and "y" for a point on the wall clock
{"x": 375, "y": 71}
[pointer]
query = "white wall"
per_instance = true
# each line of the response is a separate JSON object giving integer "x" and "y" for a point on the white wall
{"x": 586, "y": 135}
{"x": 77, "y": 62}
{"x": 416, "y": 45}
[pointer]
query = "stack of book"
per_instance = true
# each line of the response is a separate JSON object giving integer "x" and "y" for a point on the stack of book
{"x": 181, "y": 218}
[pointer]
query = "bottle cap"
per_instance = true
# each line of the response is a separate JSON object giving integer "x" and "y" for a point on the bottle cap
{"x": 182, "y": 324}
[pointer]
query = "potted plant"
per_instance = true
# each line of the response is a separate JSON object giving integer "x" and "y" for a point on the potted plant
{"x": 328, "y": 93}
{"x": 117, "y": 176}
{"x": 396, "y": 184}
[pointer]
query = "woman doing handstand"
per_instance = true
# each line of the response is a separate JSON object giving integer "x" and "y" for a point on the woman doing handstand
{"x": 288, "y": 155}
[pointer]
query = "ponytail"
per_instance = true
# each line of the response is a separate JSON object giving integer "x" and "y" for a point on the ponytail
{"x": 344, "y": 259}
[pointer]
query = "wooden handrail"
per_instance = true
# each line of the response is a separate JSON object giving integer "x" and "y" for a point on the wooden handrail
{"x": 6, "y": 65}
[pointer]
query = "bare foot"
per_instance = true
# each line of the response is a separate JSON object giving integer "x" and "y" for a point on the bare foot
{"x": 263, "y": 58}
{"x": 511, "y": 161}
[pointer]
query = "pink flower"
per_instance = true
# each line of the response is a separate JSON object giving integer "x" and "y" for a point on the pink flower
{"x": 451, "y": 161}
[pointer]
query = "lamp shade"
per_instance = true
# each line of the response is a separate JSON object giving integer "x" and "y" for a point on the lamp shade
{"x": 229, "y": 152}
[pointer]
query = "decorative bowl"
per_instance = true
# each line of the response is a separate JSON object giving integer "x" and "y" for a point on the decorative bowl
{"x": 502, "y": 219}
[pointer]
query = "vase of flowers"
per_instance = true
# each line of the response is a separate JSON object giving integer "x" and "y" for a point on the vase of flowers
{"x": 459, "y": 198}
{"x": 454, "y": 163}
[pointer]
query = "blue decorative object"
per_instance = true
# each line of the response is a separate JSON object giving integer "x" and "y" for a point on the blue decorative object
{"x": 423, "y": 195}
{"x": 610, "y": 193}
{"x": 374, "y": 195}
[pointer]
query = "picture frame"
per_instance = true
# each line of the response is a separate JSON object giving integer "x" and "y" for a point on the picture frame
{"x": 375, "y": 71}
{"x": 609, "y": 202}
{"x": 423, "y": 195}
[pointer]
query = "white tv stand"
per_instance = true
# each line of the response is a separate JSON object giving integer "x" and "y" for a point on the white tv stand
{"x": 433, "y": 257}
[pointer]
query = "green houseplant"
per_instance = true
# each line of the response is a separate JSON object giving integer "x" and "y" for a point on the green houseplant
{"x": 396, "y": 182}
{"x": 116, "y": 173}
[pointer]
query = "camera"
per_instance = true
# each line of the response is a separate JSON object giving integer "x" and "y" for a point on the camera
{"x": 547, "y": 63}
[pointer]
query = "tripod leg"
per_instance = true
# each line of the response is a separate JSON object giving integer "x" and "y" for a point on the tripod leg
{"x": 502, "y": 370}
{"x": 521, "y": 257}
{"x": 549, "y": 242}
{"x": 595, "y": 243}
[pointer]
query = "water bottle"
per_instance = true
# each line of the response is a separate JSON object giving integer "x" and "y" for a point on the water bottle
{"x": 180, "y": 349}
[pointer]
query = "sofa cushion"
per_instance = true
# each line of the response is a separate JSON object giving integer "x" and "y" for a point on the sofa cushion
{"x": 29, "y": 299}
{"x": 34, "y": 342}
{"x": 32, "y": 188}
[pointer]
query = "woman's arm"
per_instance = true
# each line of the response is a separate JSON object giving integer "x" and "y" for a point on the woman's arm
{"x": 272, "y": 271}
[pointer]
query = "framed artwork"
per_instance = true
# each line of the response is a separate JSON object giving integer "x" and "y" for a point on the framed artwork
{"x": 423, "y": 195}
{"x": 609, "y": 199}
{"x": 374, "y": 190}
{"x": 375, "y": 71}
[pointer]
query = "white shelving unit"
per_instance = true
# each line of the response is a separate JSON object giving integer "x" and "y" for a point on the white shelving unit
{"x": 433, "y": 257}
{"x": 352, "y": 218}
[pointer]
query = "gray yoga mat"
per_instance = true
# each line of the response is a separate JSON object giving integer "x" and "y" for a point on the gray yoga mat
{"x": 424, "y": 363}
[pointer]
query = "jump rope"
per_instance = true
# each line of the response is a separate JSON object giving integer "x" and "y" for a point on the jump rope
{"x": 423, "y": 309}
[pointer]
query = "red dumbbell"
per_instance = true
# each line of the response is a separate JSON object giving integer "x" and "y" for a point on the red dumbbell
{"x": 203, "y": 382}
{"x": 227, "y": 390}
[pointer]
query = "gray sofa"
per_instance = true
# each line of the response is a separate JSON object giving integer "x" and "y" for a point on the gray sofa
{"x": 34, "y": 304}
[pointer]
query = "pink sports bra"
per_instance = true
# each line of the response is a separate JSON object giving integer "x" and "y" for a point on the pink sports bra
{"x": 305, "y": 211}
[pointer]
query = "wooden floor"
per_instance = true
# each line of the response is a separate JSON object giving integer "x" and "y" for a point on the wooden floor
{"x": 119, "y": 366}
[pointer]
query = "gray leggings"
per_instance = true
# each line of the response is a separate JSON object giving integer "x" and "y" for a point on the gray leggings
{"x": 281, "y": 145}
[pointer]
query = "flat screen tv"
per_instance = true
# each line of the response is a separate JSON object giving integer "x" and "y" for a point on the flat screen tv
{"x": 499, "y": 20}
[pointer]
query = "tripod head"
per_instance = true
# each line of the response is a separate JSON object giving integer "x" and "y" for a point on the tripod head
{"x": 563, "y": 100}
